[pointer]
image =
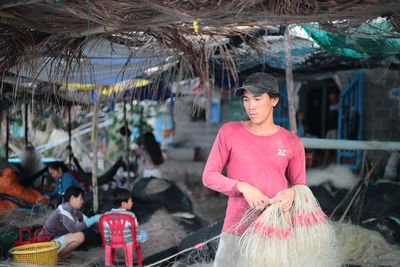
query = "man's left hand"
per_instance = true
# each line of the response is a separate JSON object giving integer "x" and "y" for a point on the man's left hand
{"x": 285, "y": 197}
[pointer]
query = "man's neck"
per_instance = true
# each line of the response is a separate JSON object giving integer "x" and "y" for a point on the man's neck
{"x": 120, "y": 208}
{"x": 265, "y": 128}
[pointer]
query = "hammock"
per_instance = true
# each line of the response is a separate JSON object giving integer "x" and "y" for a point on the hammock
{"x": 102, "y": 179}
{"x": 28, "y": 180}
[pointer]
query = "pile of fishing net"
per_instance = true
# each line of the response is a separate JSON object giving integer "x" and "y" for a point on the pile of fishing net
{"x": 13, "y": 194}
{"x": 11, "y": 221}
{"x": 364, "y": 247}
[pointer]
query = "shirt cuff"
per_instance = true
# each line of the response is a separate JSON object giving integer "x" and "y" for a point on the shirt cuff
{"x": 235, "y": 192}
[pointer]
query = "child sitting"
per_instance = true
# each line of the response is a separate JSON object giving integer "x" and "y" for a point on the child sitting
{"x": 122, "y": 202}
{"x": 66, "y": 223}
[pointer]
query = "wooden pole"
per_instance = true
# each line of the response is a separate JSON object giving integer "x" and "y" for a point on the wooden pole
{"x": 289, "y": 82}
{"x": 7, "y": 147}
{"x": 127, "y": 140}
{"x": 69, "y": 137}
{"x": 94, "y": 148}
{"x": 26, "y": 124}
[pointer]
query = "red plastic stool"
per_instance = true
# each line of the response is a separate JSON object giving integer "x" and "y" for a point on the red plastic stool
{"x": 117, "y": 222}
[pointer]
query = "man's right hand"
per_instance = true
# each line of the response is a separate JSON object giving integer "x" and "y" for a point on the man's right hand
{"x": 92, "y": 220}
{"x": 254, "y": 197}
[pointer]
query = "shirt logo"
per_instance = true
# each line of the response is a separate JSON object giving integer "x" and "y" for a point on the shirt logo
{"x": 281, "y": 152}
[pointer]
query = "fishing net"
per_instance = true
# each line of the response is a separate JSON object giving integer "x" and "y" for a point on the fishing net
{"x": 11, "y": 221}
{"x": 365, "y": 247}
{"x": 375, "y": 39}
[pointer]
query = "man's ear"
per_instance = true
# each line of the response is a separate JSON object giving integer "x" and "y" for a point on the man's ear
{"x": 275, "y": 101}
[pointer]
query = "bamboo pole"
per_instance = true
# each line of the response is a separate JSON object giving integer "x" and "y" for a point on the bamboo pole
{"x": 26, "y": 124}
{"x": 69, "y": 137}
{"x": 289, "y": 82}
{"x": 94, "y": 148}
{"x": 127, "y": 140}
{"x": 7, "y": 147}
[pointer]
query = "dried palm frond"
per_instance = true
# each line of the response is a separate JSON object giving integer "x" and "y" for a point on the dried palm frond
{"x": 33, "y": 33}
{"x": 395, "y": 21}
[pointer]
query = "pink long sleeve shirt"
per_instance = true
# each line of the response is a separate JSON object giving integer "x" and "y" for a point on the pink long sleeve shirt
{"x": 261, "y": 161}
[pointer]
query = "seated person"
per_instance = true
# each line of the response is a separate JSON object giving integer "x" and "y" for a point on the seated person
{"x": 150, "y": 157}
{"x": 66, "y": 223}
{"x": 122, "y": 202}
{"x": 62, "y": 179}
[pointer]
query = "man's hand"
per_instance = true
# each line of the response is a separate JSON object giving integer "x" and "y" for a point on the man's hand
{"x": 92, "y": 220}
{"x": 254, "y": 197}
{"x": 285, "y": 197}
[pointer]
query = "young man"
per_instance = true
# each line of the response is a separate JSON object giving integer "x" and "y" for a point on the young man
{"x": 257, "y": 155}
{"x": 66, "y": 223}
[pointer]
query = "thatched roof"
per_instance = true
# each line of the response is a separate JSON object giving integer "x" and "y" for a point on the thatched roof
{"x": 75, "y": 18}
{"x": 39, "y": 32}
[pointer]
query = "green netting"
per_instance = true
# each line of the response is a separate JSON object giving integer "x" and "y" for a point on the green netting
{"x": 8, "y": 235}
{"x": 367, "y": 41}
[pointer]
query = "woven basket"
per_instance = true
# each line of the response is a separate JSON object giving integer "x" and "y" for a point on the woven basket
{"x": 43, "y": 253}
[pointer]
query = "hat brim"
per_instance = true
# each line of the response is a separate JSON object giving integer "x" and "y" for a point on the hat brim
{"x": 252, "y": 89}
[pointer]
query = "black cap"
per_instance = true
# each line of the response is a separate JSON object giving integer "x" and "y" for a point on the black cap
{"x": 259, "y": 83}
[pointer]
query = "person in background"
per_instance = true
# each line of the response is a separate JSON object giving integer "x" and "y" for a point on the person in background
{"x": 62, "y": 181}
{"x": 66, "y": 223}
{"x": 262, "y": 161}
{"x": 333, "y": 115}
{"x": 31, "y": 161}
{"x": 301, "y": 127}
{"x": 332, "y": 125}
{"x": 151, "y": 157}
{"x": 122, "y": 202}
